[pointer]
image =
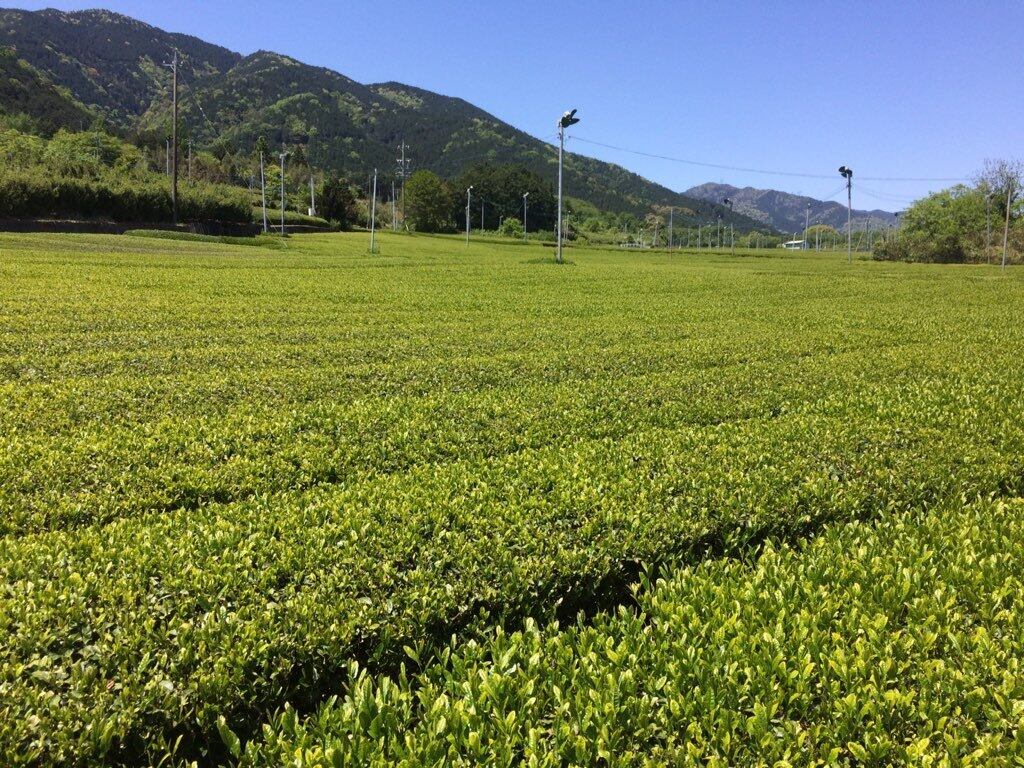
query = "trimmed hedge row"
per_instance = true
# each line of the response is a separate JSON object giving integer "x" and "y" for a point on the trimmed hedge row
{"x": 29, "y": 195}
{"x": 895, "y": 644}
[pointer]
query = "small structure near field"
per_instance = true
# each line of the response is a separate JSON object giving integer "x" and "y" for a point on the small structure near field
{"x": 794, "y": 245}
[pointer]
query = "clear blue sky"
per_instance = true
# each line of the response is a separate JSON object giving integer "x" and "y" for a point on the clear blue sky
{"x": 893, "y": 89}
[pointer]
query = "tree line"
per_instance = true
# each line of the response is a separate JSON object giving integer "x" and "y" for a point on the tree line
{"x": 976, "y": 222}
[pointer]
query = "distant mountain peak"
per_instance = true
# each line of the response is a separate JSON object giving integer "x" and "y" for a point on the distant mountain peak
{"x": 787, "y": 212}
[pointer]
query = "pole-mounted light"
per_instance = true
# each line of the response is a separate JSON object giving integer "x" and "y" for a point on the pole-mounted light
{"x": 569, "y": 118}
{"x": 847, "y": 173}
{"x": 732, "y": 239}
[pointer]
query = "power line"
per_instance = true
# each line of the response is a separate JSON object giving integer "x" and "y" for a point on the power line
{"x": 753, "y": 170}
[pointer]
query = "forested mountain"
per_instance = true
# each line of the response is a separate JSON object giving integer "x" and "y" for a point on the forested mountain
{"x": 110, "y": 62}
{"x": 115, "y": 66}
{"x": 23, "y": 91}
{"x": 786, "y": 212}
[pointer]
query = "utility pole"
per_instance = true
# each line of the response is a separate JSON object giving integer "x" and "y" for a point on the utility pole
{"x": 373, "y": 214}
{"x": 394, "y": 221}
{"x": 174, "y": 137}
{"x": 807, "y": 224}
{"x": 698, "y": 236}
{"x": 403, "y": 172}
{"x": 189, "y": 160}
{"x": 525, "y": 195}
{"x": 671, "y": 214}
{"x": 167, "y": 155}
{"x": 469, "y": 193}
{"x": 847, "y": 173}
{"x": 283, "y": 156}
{"x": 482, "y": 227}
{"x": 263, "y": 194}
{"x": 312, "y": 197}
{"x": 567, "y": 119}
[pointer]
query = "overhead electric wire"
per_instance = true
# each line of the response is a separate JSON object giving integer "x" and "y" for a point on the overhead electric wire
{"x": 753, "y": 170}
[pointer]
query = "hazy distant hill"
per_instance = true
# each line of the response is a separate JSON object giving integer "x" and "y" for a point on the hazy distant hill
{"x": 786, "y": 212}
{"x": 115, "y": 65}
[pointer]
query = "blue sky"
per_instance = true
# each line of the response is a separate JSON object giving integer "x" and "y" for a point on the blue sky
{"x": 893, "y": 89}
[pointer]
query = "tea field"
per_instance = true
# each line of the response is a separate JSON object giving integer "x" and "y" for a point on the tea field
{"x": 457, "y": 504}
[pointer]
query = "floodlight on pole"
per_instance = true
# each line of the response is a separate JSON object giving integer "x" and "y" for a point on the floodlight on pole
{"x": 569, "y": 118}
{"x": 525, "y": 195}
{"x": 847, "y": 173}
{"x": 469, "y": 192}
{"x": 732, "y": 239}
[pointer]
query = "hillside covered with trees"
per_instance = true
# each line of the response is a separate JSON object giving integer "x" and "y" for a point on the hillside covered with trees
{"x": 115, "y": 67}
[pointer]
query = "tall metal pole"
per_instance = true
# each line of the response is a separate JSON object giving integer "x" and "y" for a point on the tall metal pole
{"x": 849, "y": 219}
{"x": 403, "y": 172}
{"x": 312, "y": 197}
{"x": 394, "y": 221}
{"x": 1006, "y": 226}
{"x": 469, "y": 191}
{"x": 283, "y": 154}
{"x": 525, "y": 195}
{"x": 698, "y": 235}
{"x": 373, "y": 214}
{"x": 263, "y": 194}
{"x": 671, "y": 214}
{"x": 988, "y": 226}
{"x": 561, "y": 148}
{"x": 174, "y": 142}
{"x": 732, "y": 239}
{"x": 807, "y": 223}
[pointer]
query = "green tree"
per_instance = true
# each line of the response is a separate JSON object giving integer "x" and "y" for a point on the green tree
{"x": 428, "y": 203}
{"x": 511, "y": 227}
{"x": 336, "y": 201}
{"x": 503, "y": 187}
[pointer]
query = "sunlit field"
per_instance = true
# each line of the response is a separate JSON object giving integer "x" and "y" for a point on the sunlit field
{"x": 319, "y": 506}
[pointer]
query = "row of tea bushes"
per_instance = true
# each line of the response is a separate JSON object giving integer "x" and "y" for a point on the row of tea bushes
{"x": 899, "y": 643}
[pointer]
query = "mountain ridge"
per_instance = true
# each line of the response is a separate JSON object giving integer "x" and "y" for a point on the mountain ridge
{"x": 785, "y": 211}
{"x": 115, "y": 66}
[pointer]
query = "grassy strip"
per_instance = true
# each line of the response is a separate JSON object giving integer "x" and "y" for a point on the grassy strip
{"x": 290, "y": 217}
{"x": 265, "y": 241}
{"x": 899, "y": 643}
